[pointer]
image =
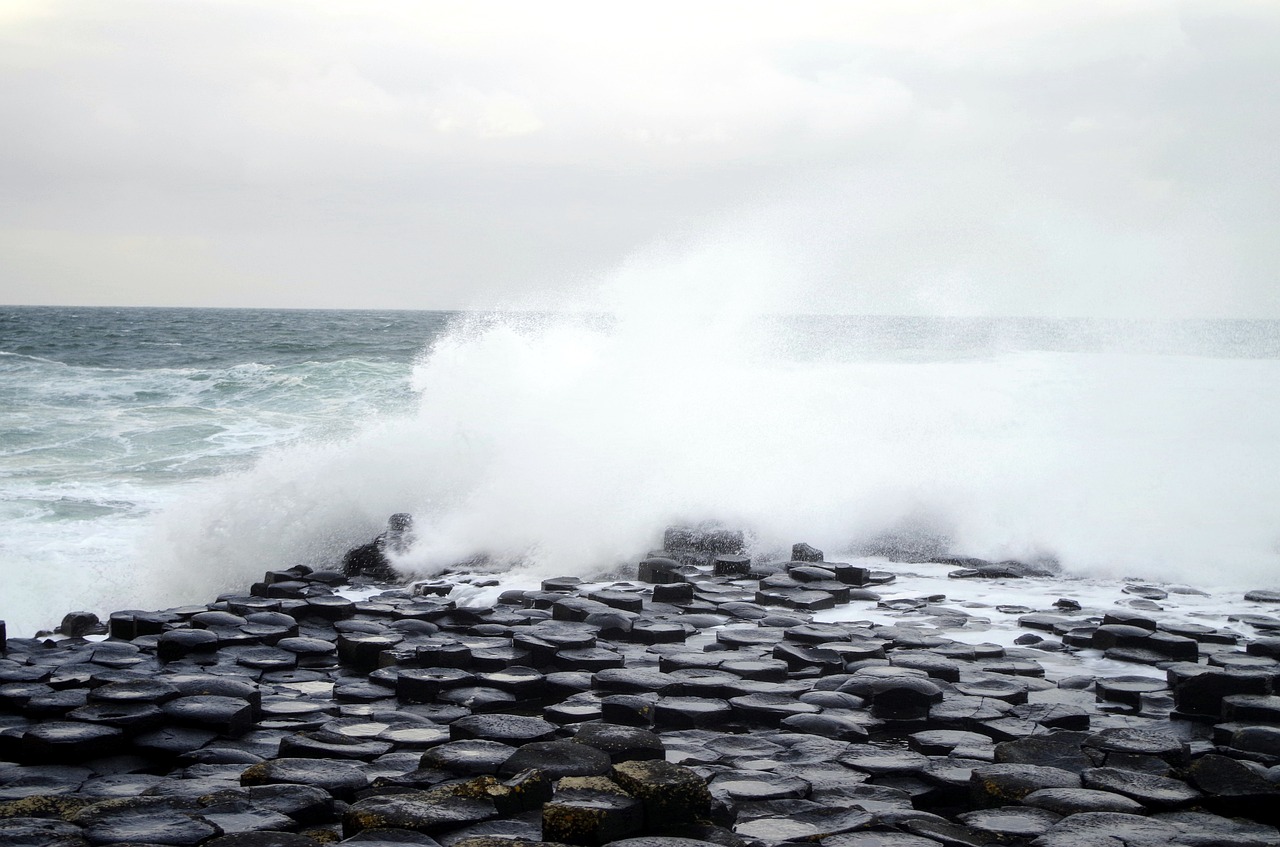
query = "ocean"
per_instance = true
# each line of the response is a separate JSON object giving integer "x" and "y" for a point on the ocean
{"x": 156, "y": 457}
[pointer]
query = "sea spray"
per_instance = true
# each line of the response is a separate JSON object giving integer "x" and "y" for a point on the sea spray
{"x": 198, "y": 448}
{"x": 567, "y": 445}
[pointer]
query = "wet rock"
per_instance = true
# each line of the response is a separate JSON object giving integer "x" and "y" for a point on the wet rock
{"x": 942, "y": 742}
{"x": 1125, "y": 743}
{"x": 740, "y": 786}
{"x": 1151, "y": 790}
{"x": 880, "y": 762}
{"x": 994, "y": 687}
{"x": 591, "y": 811}
{"x": 69, "y": 741}
{"x": 660, "y": 570}
{"x": 423, "y": 685}
{"x": 803, "y": 826}
{"x": 897, "y": 697}
{"x": 179, "y": 643}
{"x": 1234, "y": 788}
{"x": 1127, "y": 690}
{"x": 417, "y": 811}
{"x": 468, "y": 757}
{"x": 1056, "y": 749}
{"x": 263, "y": 839}
{"x": 1070, "y": 801}
{"x": 805, "y": 553}
{"x": 1009, "y": 824}
{"x": 621, "y": 743}
{"x": 508, "y": 729}
{"x": 156, "y": 820}
{"x": 340, "y": 779}
{"x": 370, "y": 560}
{"x": 1200, "y": 829}
{"x": 839, "y": 727}
{"x": 671, "y": 794}
{"x": 39, "y": 832}
{"x": 769, "y": 709}
{"x": 558, "y": 759}
{"x": 1200, "y": 689}
{"x": 1001, "y": 784}
{"x": 1108, "y": 829}
{"x": 226, "y": 715}
{"x": 878, "y": 838}
{"x": 79, "y": 624}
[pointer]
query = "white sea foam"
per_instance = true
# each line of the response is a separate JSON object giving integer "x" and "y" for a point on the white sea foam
{"x": 567, "y": 445}
{"x": 563, "y": 448}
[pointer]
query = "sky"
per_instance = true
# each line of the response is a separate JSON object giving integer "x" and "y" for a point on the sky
{"x": 1112, "y": 158}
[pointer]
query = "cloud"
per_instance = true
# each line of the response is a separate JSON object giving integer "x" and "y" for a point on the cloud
{"x": 1056, "y": 157}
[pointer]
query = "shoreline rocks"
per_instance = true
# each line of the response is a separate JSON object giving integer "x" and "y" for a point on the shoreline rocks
{"x": 701, "y": 703}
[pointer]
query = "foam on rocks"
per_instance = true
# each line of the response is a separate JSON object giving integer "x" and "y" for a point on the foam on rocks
{"x": 713, "y": 699}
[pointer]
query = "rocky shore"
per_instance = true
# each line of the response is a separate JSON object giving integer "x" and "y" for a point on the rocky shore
{"x": 708, "y": 699}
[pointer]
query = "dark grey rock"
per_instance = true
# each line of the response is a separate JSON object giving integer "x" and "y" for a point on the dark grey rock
{"x": 156, "y": 820}
{"x": 1002, "y": 784}
{"x": 621, "y": 743}
{"x": 1151, "y": 790}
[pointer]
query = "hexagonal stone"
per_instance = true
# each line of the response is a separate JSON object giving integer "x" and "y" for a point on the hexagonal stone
{"x": 468, "y": 757}
{"x": 339, "y": 778}
{"x": 672, "y": 795}
{"x": 178, "y": 643}
{"x": 1010, "y": 823}
{"x": 940, "y": 742}
{"x": 1156, "y": 792}
{"x": 191, "y": 685}
{"x": 146, "y": 690}
{"x": 1061, "y": 749}
{"x": 897, "y": 696}
{"x": 38, "y": 832}
{"x": 422, "y": 685}
{"x": 881, "y": 761}
{"x": 1000, "y": 784}
{"x": 621, "y": 743}
{"x": 1137, "y": 742}
{"x": 263, "y": 839}
{"x": 750, "y": 786}
{"x": 630, "y": 681}
{"x": 591, "y": 811}
{"x": 1204, "y": 830}
{"x": 509, "y": 729}
{"x": 1008, "y": 689}
{"x": 557, "y": 759}
{"x": 1071, "y": 801}
{"x": 155, "y": 820}
{"x": 126, "y": 715}
{"x": 1127, "y": 690}
{"x": 226, "y": 715}
{"x": 588, "y": 659}
{"x": 69, "y": 741}
{"x": 690, "y": 712}
{"x": 840, "y": 727}
{"x": 770, "y": 709}
{"x": 1093, "y": 829}
{"x": 416, "y": 811}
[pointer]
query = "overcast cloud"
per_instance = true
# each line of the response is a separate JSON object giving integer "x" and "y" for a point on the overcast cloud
{"x": 1060, "y": 158}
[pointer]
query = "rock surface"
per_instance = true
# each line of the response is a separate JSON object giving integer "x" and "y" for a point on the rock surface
{"x": 702, "y": 703}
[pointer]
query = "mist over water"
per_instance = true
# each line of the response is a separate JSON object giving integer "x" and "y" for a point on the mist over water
{"x": 556, "y": 444}
{"x": 566, "y": 444}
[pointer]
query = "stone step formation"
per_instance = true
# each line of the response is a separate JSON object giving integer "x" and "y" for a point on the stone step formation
{"x": 699, "y": 704}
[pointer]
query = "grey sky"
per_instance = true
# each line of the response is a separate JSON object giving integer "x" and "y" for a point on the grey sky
{"x": 1063, "y": 158}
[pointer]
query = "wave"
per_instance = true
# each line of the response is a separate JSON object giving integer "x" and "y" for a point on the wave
{"x": 564, "y": 446}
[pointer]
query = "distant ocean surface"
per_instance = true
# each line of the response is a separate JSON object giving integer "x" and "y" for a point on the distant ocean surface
{"x": 153, "y": 457}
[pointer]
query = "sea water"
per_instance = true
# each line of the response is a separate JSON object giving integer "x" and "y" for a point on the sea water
{"x": 155, "y": 457}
